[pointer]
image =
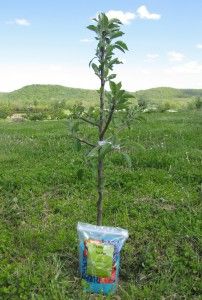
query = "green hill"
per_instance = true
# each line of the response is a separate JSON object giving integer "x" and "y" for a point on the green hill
{"x": 48, "y": 93}
{"x": 169, "y": 94}
{"x": 45, "y": 94}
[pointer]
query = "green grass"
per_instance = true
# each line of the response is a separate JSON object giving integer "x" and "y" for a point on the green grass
{"x": 43, "y": 195}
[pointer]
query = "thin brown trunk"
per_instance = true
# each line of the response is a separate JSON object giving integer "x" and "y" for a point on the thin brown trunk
{"x": 100, "y": 191}
{"x": 100, "y": 178}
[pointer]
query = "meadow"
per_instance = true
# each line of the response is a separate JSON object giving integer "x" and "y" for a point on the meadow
{"x": 46, "y": 188}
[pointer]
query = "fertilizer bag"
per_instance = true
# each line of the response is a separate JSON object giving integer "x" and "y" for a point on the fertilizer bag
{"x": 99, "y": 257}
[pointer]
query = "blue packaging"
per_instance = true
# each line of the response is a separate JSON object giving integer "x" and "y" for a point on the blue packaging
{"x": 99, "y": 257}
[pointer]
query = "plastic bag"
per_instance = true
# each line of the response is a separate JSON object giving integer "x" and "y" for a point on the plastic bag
{"x": 99, "y": 256}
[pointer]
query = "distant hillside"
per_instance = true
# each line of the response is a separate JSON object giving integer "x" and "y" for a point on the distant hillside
{"x": 168, "y": 94}
{"x": 48, "y": 93}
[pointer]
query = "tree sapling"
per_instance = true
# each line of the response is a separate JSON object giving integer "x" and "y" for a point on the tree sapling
{"x": 107, "y": 33}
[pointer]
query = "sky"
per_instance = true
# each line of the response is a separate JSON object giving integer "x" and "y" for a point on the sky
{"x": 47, "y": 42}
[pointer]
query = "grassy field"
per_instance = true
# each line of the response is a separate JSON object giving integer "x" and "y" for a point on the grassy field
{"x": 45, "y": 189}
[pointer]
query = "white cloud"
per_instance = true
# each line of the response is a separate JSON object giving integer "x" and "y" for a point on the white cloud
{"x": 20, "y": 22}
{"x": 199, "y": 46}
{"x": 150, "y": 57}
{"x": 86, "y": 40}
{"x": 191, "y": 67}
{"x": 143, "y": 13}
{"x": 124, "y": 17}
{"x": 175, "y": 56}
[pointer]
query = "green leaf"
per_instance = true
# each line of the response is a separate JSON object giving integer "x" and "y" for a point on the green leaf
{"x": 112, "y": 86}
{"x": 127, "y": 159}
{"x": 122, "y": 45}
{"x": 109, "y": 49}
{"x": 118, "y": 47}
{"x": 115, "y": 20}
{"x": 114, "y": 61}
{"x": 106, "y": 148}
{"x": 108, "y": 96}
{"x": 121, "y": 106}
{"x": 119, "y": 85}
{"x": 91, "y": 61}
{"x": 112, "y": 76}
{"x": 96, "y": 69}
{"x": 104, "y": 20}
{"x": 116, "y": 34}
{"x": 106, "y": 72}
{"x": 113, "y": 26}
{"x": 92, "y": 27}
{"x": 93, "y": 153}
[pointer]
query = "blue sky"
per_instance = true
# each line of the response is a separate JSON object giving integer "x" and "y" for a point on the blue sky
{"x": 47, "y": 41}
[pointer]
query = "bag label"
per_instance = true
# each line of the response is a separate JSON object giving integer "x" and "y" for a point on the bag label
{"x": 99, "y": 258}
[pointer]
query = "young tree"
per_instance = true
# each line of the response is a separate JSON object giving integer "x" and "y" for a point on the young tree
{"x": 107, "y": 31}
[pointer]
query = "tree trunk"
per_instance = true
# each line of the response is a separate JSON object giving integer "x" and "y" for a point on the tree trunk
{"x": 100, "y": 190}
{"x": 100, "y": 178}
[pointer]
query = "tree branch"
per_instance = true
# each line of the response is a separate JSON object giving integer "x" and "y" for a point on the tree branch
{"x": 109, "y": 119}
{"x": 88, "y": 121}
{"x": 84, "y": 141}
